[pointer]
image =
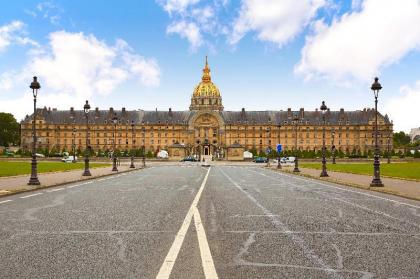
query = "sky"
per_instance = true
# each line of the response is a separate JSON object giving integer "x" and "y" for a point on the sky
{"x": 263, "y": 54}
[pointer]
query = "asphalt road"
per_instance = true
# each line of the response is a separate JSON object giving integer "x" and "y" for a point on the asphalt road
{"x": 193, "y": 222}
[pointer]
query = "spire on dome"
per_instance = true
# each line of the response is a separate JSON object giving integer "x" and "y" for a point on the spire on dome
{"x": 206, "y": 73}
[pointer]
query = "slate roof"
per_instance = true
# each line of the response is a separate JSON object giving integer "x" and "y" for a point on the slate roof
{"x": 170, "y": 117}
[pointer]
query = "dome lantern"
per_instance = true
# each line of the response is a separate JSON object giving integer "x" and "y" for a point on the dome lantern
{"x": 206, "y": 95}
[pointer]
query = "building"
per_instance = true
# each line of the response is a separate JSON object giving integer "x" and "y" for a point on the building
{"x": 206, "y": 128}
{"x": 415, "y": 134}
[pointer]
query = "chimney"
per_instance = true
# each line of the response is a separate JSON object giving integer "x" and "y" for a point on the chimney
{"x": 111, "y": 110}
{"x": 72, "y": 109}
{"x": 302, "y": 113}
{"x": 54, "y": 109}
{"x": 170, "y": 112}
{"x": 96, "y": 109}
{"x": 123, "y": 110}
{"x": 289, "y": 113}
{"x": 341, "y": 114}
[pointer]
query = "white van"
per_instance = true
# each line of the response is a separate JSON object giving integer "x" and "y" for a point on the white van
{"x": 287, "y": 160}
{"x": 69, "y": 159}
{"x": 163, "y": 154}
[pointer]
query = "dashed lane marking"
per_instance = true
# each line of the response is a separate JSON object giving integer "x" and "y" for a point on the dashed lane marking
{"x": 6, "y": 201}
{"x": 33, "y": 195}
{"x": 55, "y": 190}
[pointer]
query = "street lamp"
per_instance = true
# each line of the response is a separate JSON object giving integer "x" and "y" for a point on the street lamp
{"x": 35, "y": 86}
{"x": 86, "y": 109}
{"x": 132, "y": 145}
{"x": 278, "y": 152}
{"x": 74, "y": 142}
{"x": 114, "y": 159}
{"x": 324, "y": 161}
{"x": 143, "y": 148}
{"x": 333, "y": 147}
{"x": 376, "y": 181}
{"x": 389, "y": 147}
{"x": 296, "y": 119}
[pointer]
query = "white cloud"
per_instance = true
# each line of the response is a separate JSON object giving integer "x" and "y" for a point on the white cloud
{"x": 74, "y": 67}
{"x": 276, "y": 21}
{"x": 403, "y": 109}
{"x": 177, "y": 6}
{"x": 361, "y": 43}
{"x": 188, "y": 30}
{"x": 13, "y": 32}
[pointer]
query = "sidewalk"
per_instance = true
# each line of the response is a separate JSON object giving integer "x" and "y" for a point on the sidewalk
{"x": 399, "y": 187}
{"x": 9, "y": 185}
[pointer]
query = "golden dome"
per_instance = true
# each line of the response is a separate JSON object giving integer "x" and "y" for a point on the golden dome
{"x": 206, "y": 88}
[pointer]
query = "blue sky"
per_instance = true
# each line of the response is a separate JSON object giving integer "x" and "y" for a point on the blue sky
{"x": 264, "y": 54}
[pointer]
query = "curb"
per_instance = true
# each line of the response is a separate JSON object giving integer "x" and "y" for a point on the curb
{"x": 378, "y": 190}
{"x": 65, "y": 183}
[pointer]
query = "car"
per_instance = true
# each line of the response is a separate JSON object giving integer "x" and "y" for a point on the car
{"x": 287, "y": 160}
{"x": 9, "y": 154}
{"x": 189, "y": 159}
{"x": 260, "y": 160}
{"x": 205, "y": 163}
{"x": 39, "y": 155}
{"x": 69, "y": 159}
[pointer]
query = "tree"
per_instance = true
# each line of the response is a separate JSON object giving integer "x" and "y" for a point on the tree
{"x": 9, "y": 130}
{"x": 401, "y": 139}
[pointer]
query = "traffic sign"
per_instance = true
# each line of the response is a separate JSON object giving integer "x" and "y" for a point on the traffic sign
{"x": 279, "y": 148}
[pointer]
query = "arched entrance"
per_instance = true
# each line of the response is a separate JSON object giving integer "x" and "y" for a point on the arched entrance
{"x": 207, "y": 135}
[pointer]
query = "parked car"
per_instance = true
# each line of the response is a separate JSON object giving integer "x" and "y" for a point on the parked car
{"x": 69, "y": 159}
{"x": 260, "y": 160}
{"x": 189, "y": 159}
{"x": 9, "y": 154}
{"x": 205, "y": 163}
{"x": 287, "y": 160}
{"x": 39, "y": 155}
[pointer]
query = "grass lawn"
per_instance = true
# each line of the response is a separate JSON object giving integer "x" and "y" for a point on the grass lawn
{"x": 401, "y": 170}
{"x": 9, "y": 168}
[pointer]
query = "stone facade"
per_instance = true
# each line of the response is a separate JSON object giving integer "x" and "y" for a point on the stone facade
{"x": 206, "y": 129}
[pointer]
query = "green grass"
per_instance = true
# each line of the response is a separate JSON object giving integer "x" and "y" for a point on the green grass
{"x": 401, "y": 170}
{"x": 9, "y": 168}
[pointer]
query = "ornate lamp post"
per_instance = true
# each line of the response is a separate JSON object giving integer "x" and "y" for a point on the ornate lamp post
{"x": 114, "y": 158}
{"x": 86, "y": 108}
{"x": 389, "y": 147}
{"x": 296, "y": 119}
{"x": 333, "y": 147}
{"x": 143, "y": 147}
{"x": 376, "y": 181}
{"x": 132, "y": 144}
{"x": 74, "y": 142}
{"x": 278, "y": 153}
{"x": 35, "y": 86}
{"x": 324, "y": 161}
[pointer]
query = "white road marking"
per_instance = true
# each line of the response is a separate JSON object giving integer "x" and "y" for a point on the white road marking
{"x": 33, "y": 195}
{"x": 6, "y": 201}
{"x": 206, "y": 258}
{"x": 351, "y": 203}
{"x": 207, "y": 261}
{"x": 297, "y": 240}
{"x": 352, "y": 191}
{"x": 55, "y": 190}
{"x": 72, "y": 186}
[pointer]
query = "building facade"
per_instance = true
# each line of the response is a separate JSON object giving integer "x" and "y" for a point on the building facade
{"x": 206, "y": 128}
